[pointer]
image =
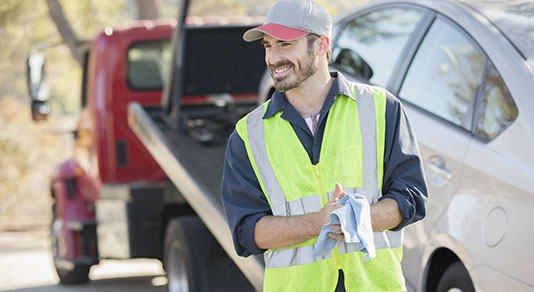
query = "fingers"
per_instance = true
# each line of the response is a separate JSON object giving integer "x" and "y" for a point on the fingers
{"x": 336, "y": 227}
{"x": 335, "y": 236}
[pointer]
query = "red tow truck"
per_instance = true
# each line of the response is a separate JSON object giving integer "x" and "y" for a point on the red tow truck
{"x": 119, "y": 66}
{"x": 111, "y": 199}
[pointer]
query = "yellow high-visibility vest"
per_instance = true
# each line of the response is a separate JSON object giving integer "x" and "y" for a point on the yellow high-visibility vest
{"x": 352, "y": 154}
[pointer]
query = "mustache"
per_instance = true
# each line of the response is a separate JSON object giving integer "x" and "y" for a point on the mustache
{"x": 280, "y": 64}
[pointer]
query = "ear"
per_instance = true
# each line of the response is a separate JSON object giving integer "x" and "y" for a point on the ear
{"x": 324, "y": 45}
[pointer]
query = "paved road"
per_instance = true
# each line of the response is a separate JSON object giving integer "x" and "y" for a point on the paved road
{"x": 26, "y": 265}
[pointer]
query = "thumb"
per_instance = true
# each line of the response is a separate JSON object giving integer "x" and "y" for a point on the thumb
{"x": 339, "y": 193}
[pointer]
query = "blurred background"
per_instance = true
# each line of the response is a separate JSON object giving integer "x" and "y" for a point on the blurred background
{"x": 29, "y": 151}
{"x": 25, "y": 168}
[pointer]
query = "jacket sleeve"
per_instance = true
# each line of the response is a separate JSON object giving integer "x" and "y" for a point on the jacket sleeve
{"x": 404, "y": 179}
{"x": 242, "y": 197}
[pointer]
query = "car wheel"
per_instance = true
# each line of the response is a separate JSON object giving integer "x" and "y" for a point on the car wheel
{"x": 68, "y": 272}
{"x": 455, "y": 279}
{"x": 185, "y": 253}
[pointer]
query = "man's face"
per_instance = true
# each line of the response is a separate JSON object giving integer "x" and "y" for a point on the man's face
{"x": 289, "y": 62}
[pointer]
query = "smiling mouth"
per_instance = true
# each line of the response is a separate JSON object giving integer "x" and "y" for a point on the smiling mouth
{"x": 281, "y": 70}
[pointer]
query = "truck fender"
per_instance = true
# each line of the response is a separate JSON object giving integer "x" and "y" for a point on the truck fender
{"x": 73, "y": 212}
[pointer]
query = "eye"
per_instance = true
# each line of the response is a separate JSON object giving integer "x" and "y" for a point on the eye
{"x": 286, "y": 45}
{"x": 267, "y": 46}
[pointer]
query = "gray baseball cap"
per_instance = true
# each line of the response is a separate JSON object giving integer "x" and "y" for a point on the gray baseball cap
{"x": 292, "y": 19}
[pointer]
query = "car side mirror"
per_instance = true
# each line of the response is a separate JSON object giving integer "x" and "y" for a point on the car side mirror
{"x": 353, "y": 63}
{"x": 37, "y": 86}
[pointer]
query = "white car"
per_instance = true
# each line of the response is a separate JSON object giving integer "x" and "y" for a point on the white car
{"x": 464, "y": 71}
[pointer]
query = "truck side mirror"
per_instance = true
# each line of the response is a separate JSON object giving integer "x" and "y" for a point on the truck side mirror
{"x": 40, "y": 110}
{"x": 37, "y": 86}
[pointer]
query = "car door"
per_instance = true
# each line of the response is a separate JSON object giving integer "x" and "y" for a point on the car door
{"x": 439, "y": 92}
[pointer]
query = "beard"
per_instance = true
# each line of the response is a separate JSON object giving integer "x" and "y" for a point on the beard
{"x": 306, "y": 68}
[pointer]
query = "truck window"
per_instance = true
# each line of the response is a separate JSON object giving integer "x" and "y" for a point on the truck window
{"x": 147, "y": 66}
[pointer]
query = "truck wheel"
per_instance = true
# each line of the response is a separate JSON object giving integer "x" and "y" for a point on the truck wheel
{"x": 455, "y": 279}
{"x": 185, "y": 253}
{"x": 68, "y": 273}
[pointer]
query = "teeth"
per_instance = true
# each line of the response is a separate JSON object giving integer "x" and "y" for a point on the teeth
{"x": 281, "y": 70}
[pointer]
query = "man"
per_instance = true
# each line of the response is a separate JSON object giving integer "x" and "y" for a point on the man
{"x": 319, "y": 138}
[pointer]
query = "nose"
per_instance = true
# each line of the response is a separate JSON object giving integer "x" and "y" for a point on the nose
{"x": 272, "y": 56}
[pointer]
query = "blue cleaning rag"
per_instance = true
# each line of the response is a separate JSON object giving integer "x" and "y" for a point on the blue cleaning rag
{"x": 355, "y": 221}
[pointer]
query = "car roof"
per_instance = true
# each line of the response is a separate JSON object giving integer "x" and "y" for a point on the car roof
{"x": 515, "y": 19}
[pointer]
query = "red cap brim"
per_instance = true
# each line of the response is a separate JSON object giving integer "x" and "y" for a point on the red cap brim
{"x": 278, "y": 31}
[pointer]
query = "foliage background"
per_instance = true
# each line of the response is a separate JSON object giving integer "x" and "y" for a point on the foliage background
{"x": 29, "y": 151}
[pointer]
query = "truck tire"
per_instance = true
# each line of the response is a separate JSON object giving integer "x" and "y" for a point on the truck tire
{"x": 185, "y": 254}
{"x": 69, "y": 273}
{"x": 455, "y": 279}
{"x": 78, "y": 275}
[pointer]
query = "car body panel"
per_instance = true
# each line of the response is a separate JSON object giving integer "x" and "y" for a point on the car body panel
{"x": 496, "y": 175}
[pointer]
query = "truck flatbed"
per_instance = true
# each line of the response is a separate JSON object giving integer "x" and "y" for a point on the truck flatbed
{"x": 196, "y": 171}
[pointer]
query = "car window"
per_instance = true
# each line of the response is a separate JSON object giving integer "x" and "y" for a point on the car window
{"x": 148, "y": 64}
{"x": 445, "y": 74}
{"x": 369, "y": 45}
{"x": 497, "y": 110}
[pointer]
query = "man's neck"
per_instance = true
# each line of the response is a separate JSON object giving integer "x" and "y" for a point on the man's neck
{"x": 310, "y": 95}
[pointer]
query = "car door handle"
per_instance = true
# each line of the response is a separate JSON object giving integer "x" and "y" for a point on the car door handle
{"x": 436, "y": 165}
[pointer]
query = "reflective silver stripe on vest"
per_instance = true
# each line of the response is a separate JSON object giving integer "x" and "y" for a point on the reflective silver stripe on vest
{"x": 299, "y": 255}
{"x": 367, "y": 117}
{"x": 371, "y": 196}
{"x": 259, "y": 152}
{"x": 383, "y": 239}
{"x": 304, "y": 205}
{"x": 291, "y": 257}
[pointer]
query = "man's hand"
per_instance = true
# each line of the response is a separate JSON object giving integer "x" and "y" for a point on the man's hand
{"x": 331, "y": 206}
{"x": 385, "y": 215}
{"x": 283, "y": 231}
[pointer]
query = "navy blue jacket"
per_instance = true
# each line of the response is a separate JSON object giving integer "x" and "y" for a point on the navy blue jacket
{"x": 245, "y": 203}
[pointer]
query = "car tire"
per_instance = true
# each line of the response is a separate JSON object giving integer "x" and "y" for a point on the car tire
{"x": 185, "y": 254}
{"x": 455, "y": 279}
{"x": 68, "y": 272}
